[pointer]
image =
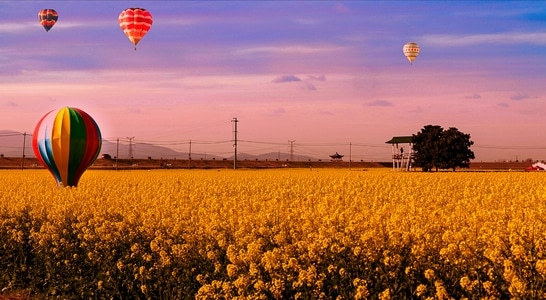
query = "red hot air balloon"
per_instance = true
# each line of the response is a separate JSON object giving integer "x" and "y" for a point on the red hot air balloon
{"x": 67, "y": 141}
{"x": 48, "y": 17}
{"x": 135, "y": 23}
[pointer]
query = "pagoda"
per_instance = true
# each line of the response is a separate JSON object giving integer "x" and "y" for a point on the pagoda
{"x": 336, "y": 157}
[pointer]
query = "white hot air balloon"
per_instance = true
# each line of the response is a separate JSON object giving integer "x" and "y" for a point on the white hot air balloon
{"x": 411, "y": 50}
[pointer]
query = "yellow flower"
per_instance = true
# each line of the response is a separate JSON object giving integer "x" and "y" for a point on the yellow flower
{"x": 421, "y": 289}
{"x": 385, "y": 295}
{"x": 429, "y": 274}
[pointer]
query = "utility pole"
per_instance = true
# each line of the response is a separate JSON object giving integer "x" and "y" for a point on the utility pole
{"x": 235, "y": 121}
{"x": 117, "y": 153}
{"x": 131, "y": 146}
{"x": 189, "y": 157}
{"x": 291, "y": 149}
{"x": 350, "y": 154}
{"x": 24, "y": 142}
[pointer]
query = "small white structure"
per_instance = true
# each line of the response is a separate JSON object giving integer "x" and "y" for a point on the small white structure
{"x": 401, "y": 155}
{"x": 540, "y": 165}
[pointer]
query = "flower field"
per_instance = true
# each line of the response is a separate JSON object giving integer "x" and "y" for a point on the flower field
{"x": 274, "y": 234}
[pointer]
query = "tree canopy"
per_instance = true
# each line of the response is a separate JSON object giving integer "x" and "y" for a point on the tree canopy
{"x": 436, "y": 148}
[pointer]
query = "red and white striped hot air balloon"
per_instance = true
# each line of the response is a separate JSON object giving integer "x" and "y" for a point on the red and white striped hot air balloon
{"x": 135, "y": 23}
{"x": 411, "y": 50}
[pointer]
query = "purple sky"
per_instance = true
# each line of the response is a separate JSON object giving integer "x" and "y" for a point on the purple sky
{"x": 325, "y": 74}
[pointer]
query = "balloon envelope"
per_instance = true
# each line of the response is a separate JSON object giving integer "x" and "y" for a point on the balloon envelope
{"x": 411, "y": 50}
{"x": 135, "y": 23}
{"x": 67, "y": 141}
{"x": 48, "y": 17}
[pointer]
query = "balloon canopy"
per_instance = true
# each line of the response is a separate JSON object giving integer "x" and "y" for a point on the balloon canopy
{"x": 67, "y": 141}
{"x": 135, "y": 23}
{"x": 411, "y": 50}
{"x": 48, "y": 17}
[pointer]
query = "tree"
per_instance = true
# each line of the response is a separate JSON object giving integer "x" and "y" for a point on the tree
{"x": 456, "y": 149}
{"x": 437, "y": 148}
{"x": 425, "y": 147}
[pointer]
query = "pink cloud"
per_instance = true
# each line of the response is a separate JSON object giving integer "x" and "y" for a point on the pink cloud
{"x": 519, "y": 96}
{"x": 286, "y": 78}
{"x": 473, "y": 96}
{"x": 379, "y": 103}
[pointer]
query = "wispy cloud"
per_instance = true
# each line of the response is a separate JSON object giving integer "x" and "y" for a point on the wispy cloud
{"x": 473, "y": 96}
{"x": 503, "y": 104}
{"x": 18, "y": 27}
{"x": 519, "y": 96}
{"x": 501, "y": 13}
{"x": 379, "y": 103}
{"x": 186, "y": 21}
{"x": 278, "y": 112}
{"x": 341, "y": 8}
{"x": 286, "y": 78}
{"x": 452, "y": 40}
{"x": 319, "y": 78}
{"x": 418, "y": 109}
{"x": 309, "y": 86}
{"x": 307, "y": 21}
{"x": 294, "y": 49}
{"x": 305, "y": 84}
{"x": 133, "y": 110}
{"x": 325, "y": 112}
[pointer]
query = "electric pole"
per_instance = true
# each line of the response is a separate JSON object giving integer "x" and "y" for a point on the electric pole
{"x": 131, "y": 146}
{"x": 235, "y": 121}
{"x": 291, "y": 149}
{"x": 350, "y": 154}
{"x": 189, "y": 157}
{"x": 117, "y": 153}
{"x": 24, "y": 142}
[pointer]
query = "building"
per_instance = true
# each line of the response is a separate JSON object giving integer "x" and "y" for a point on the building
{"x": 336, "y": 157}
{"x": 401, "y": 155}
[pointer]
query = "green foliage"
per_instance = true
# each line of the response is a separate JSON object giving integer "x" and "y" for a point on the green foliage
{"x": 436, "y": 148}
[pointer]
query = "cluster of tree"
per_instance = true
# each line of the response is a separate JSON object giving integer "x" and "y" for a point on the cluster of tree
{"x": 436, "y": 148}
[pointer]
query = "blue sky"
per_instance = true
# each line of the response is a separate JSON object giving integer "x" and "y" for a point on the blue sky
{"x": 319, "y": 72}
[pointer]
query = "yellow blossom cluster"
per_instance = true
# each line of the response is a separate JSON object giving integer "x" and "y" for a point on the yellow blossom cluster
{"x": 274, "y": 234}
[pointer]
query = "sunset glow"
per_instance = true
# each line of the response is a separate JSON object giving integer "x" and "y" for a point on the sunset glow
{"x": 329, "y": 73}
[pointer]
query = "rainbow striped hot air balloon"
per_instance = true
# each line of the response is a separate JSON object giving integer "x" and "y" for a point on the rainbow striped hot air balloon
{"x": 48, "y": 17}
{"x": 67, "y": 141}
{"x": 135, "y": 23}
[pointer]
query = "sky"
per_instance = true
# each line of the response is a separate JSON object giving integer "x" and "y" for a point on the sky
{"x": 313, "y": 77}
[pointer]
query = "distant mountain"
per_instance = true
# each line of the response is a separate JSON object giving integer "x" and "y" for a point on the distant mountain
{"x": 11, "y": 145}
{"x": 140, "y": 150}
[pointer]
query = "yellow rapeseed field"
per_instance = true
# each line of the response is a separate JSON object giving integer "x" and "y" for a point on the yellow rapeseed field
{"x": 274, "y": 234}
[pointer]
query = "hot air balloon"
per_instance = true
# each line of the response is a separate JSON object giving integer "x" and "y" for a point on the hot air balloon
{"x": 66, "y": 141}
{"x": 47, "y": 17}
{"x": 411, "y": 50}
{"x": 135, "y": 23}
